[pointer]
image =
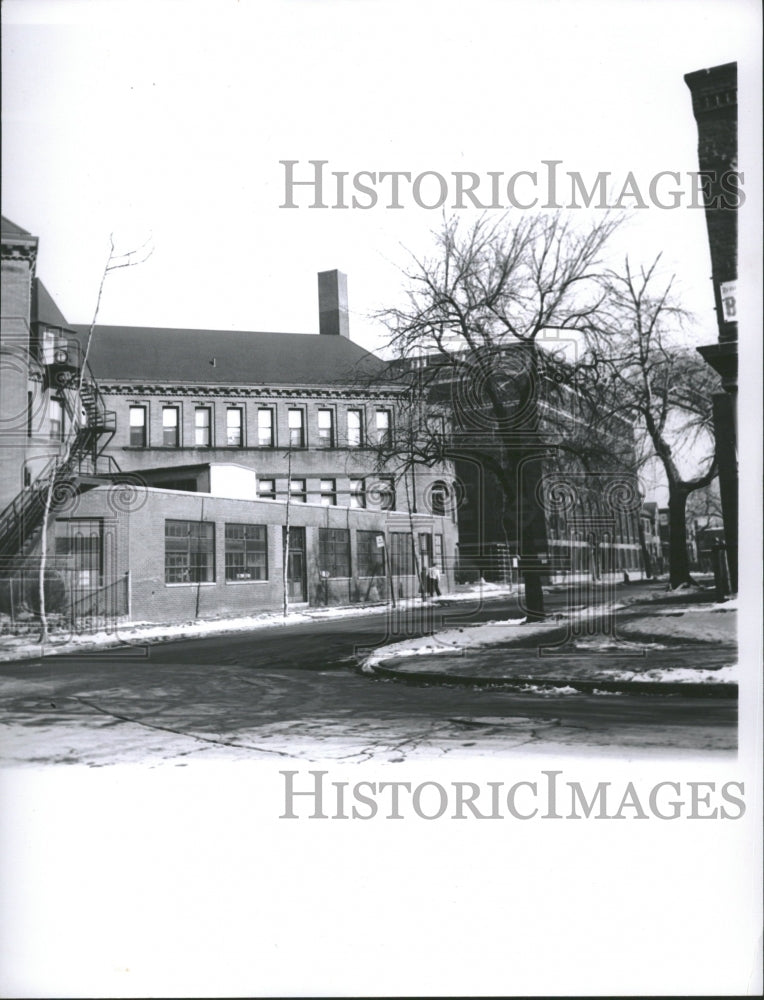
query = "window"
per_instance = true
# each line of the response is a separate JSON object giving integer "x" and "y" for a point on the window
{"x": 383, "y": 427}
{"x": 401, "y": 554}
{"x": 189, "y": 552}
{"x": 357, "y": 493}
{"x": 138, "y": 426}
{"x": 439, "y": 498}
{"x": 425, "y": 550}
{"x": 233, "y": 427}
{"x": 329, "y": 492}
{"x": 380, "y": 494}
{"x": 296, "y": 429}
{"x": 438, "y": 551}
{"x": 267, "y": 489}
{"x": 325, "y": 429}
{"x": 246, "y": 552}
{"x": 170, "y": 427}
{"x": 265, "y": 428}
{"x": 370, "y": 555}
{"x": 80, "y": 542}
{"x": 355, "y": 428}
{"x": 436, "y": 426}
{"x": 203, "y": 427}
{"x": 56, "y": 418}
{"x": 30, "y": 411}
{"x": 298, "y": 491}
{"x": 334, "y": 551}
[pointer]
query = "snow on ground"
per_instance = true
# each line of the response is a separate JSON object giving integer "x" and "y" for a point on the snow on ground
{"x": 694, "y": 623}
{"x": 646, "y": 631}
{"x": 456, "y": 639}
{"x": 682, "y": 675}
{"x": 17, "y": 647}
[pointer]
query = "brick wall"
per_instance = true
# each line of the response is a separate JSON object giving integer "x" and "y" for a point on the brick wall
{"x": 138, "y": 528}
{"x": 714, "y": 105}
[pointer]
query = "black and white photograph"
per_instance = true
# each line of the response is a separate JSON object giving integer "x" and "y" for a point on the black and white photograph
{"x": 380, "y": 529}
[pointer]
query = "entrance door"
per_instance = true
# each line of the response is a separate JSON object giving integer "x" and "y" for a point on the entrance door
{"x": 296, "y": 585}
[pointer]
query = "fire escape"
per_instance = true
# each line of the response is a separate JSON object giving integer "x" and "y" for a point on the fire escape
{"x": 80, "y": 464}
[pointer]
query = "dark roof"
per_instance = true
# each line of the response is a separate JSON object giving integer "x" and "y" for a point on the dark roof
{"x": 148, "y": 354}
{"x": 9, "y": 228}
{"x": 44, "y": 309}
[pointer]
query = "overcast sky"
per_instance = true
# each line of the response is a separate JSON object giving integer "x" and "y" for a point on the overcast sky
{"x": 170, "y": 118}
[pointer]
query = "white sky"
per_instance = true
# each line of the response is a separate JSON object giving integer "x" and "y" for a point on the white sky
{"x": 171, "y": 117}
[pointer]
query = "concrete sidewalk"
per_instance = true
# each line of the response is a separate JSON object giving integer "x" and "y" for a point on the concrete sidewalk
{"x": 667, "y": 643}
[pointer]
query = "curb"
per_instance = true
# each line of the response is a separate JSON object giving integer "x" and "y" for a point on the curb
{"x": 692, "y": 689}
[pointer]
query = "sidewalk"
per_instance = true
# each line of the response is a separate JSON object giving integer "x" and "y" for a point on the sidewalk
{"x": 652, "y": 641}
{"x": 14, "y": 646}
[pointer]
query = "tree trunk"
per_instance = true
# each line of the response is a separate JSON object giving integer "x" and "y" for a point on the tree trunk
{"x": 679, "y": 565}
{"x": 646, "y": 560}
{"x": 524, "y": 527}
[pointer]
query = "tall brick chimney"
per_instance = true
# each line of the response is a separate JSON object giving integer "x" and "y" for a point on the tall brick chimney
{"x": 333, "y": 304}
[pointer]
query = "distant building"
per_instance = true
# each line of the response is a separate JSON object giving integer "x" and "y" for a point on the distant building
{"x": 179, "y": 459}
{"x": 584, "y": 514}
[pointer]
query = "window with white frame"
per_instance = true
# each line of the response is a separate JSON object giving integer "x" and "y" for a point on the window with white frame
{"x": 267, "y": 489}
{"x": 138, "y": 426}
{"x": 357, "y": 493}
{"x": 380, "y": 493}
{"x": 56, "y": 419}
{"x": 296, "y": 428}
{"x": 298, "y": 492}
{"x": 203, "y": 427}
{"x": 234, "y": 427}
{"x": 383, "y": 427}
{"x": 265, "y": 427}
{"x": 328, "y": 491}
{"x": 355, "y": 428}
{"x": 325, "y": 428}
{"x": 170, "y": 426}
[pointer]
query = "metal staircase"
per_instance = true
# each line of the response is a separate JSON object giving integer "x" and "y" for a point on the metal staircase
{"x": 81, "y": 465}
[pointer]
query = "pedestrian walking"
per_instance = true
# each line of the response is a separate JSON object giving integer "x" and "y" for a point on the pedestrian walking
{"x": 433, "y": 581}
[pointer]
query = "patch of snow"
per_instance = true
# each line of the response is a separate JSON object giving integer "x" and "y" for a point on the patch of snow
{"x": 455, "y": 639}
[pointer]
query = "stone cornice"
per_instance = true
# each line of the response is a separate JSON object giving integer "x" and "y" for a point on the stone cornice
{"x": 19, "y": 249}
{"x": 112, "y": 388}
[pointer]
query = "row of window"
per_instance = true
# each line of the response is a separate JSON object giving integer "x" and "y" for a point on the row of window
{"x": 377, "y": 492}
{"x": 190, "y": 552}
{"x": 355, "y": 432}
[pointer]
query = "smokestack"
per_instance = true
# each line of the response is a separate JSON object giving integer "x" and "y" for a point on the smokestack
{"x": 333, "y": 304}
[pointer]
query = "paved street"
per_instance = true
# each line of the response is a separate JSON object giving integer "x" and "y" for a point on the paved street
{"x": 295, "y": 692}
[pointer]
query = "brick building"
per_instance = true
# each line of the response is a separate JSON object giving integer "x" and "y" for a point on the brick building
{"x": 180, "y": 461}
{"x": 714, "y": 105}
{"x": 583, "y": 511}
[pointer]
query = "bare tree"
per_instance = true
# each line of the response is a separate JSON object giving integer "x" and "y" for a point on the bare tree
{"x": 476, "y": 309}
{"x": 114, "y": 262}
{"x": 650, "y": 377}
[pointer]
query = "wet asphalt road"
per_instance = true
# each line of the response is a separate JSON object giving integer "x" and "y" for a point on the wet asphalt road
{"x": 295, "y": 691}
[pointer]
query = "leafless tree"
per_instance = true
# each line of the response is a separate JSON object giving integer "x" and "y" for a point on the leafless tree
{"x": 114, "y": 262}
{"x": 650, "y": 377}
{"x": 476, "y": 310}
